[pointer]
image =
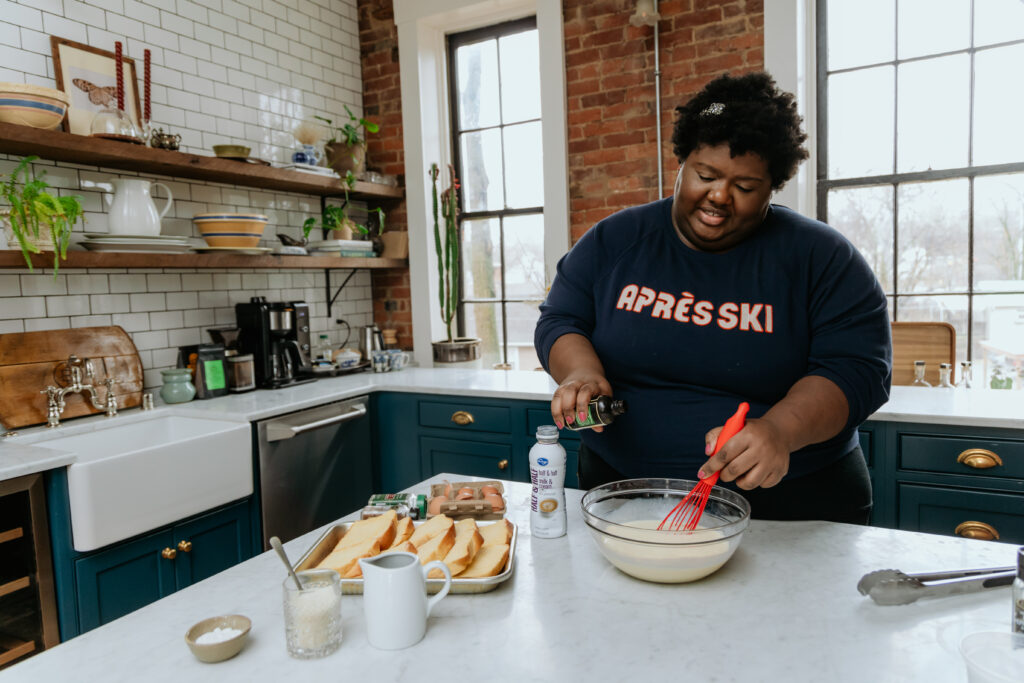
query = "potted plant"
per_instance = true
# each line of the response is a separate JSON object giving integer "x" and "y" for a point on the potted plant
{"x": 346, "y": 149}
{"x": 446, "y": 244}
{"x": 36, "y": 219}
{"x": 336, "y": 218}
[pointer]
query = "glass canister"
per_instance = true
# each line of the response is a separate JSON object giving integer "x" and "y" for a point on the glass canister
{"x": 241, "y": 373}
{"x": 178, "y": 387}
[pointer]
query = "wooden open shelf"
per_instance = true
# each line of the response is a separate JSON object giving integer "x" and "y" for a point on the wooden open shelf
{"x": 82, "y": 149}
{"x": 126, "y": 259}
{"x": 11, "y": 534}
{"x": 13, "y": 648}
{"x": 15, "y": 585}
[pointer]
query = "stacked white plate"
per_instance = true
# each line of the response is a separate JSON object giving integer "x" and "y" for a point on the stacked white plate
{"x": 154, "y": 244}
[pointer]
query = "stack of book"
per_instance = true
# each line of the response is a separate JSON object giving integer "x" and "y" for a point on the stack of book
{"x": 344, "y": 248}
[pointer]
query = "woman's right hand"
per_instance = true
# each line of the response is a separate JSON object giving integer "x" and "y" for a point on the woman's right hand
{"x": 569, "y": 403}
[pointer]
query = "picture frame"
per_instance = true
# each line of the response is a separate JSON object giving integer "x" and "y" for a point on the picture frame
{"x": 88, "y": 76}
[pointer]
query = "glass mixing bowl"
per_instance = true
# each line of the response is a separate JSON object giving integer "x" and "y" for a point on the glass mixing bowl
{"x": 623, "y": 517}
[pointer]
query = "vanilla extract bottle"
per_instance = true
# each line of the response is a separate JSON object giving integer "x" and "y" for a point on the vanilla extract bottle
{"x": 601, "y": 411}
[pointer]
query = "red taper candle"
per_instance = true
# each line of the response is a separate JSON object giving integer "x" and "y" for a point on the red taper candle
{"x": 120, "y": 75}
{"x": 145, "y": 84}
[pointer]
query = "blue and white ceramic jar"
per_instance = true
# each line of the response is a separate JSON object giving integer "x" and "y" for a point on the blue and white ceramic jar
{"x": 309, "y": 154}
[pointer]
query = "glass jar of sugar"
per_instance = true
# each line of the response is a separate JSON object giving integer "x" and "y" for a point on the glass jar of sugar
{"x": 312, "y": 616}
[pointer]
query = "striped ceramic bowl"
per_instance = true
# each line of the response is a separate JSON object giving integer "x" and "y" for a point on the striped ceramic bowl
{"x": 237, "y": 230}
{"x": 32, "y": 105}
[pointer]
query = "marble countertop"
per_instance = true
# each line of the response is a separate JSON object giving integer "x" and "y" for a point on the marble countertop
{"x": 785, "y": 607}
{"x": 977, "y": 407}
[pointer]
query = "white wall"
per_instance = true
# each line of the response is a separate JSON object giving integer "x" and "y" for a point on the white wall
{"x": 223, "y": 71}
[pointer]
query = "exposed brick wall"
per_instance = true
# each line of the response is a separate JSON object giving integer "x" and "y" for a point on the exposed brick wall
{"x": 382, "y": 104}
{"x": 610, "y": 91}
{"x": 611, "y": 102}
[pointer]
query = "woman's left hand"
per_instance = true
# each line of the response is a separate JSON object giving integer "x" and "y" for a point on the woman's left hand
{"x": 758, "y": 455}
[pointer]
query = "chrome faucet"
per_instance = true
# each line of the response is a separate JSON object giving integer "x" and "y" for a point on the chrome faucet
{"x": 55, "y": 395}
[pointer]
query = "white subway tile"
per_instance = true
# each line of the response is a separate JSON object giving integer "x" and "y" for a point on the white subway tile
{"x": 109, "y": 303}
{"x": 147, "y": 302}
{"x": 133, "y": 22}
{"x": 162, "y": 38}
{"x": 208, "y": 72}
{"x": 41, "y": 283}
{"x": 169, "y": 78}
{"x": 212, "y": 299}
{"x": 132, "y": 282}
{"x": 52, "y": 6}
{"x": 181, "y": 300}
{"x": 199, "y": 317}
{"x": 38, "y": 324}
{"x": 114, "y": 6}
{"x": 131, "y": 322}
{"x": 150, "y": 340}
{"x": 208, "y": 34}
{"x": 29, "y": 62}
{"x": 235, "y": 9}
{"x": 183, "y": 26}
{"x": 22, "y": 307}
{"x": 21, "y": 15}
{"x": 229, "y": 25}
{"x": 250, "y": 32}
{"x": 184, "y": 337}
{"x": 86, "y": 14}
{"x": 196, "y": 281}
{"x": 10, "y": 34}
{"x": 164, "y": 358}
{"x": 166, "y": 320}
{"x": 90, "y": 321}
{"x": 225, "y": 316}
{"x": 215, "y": 107}
{"x": 11, "y": 326}
{"x": 180, "y": 62}
{"x": 88, "y": 284}
{"x": 230, "y": 128}
{"x": 227, "y": 281}
{"x": 163, "y": 282}
{"x": 10, "y": 285}
{"x": 67, "y": 305}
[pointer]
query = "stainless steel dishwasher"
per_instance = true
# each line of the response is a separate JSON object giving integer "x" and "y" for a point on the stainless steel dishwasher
{"x": 314, "y": 466}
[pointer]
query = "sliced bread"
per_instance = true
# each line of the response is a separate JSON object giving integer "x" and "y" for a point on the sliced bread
{"x": 380, "y": 529}
{"x": 345, "y": 561}
{"x": 459, "y": 557}
{"x": 404, "y": 547}
{"x": 499, "y": 533}
{"x": 468, "y": 528}
{"x": 403, "y": 531}
{"x": 432, "y": 527}
{"x": 437, "y": 547}
{"x": 488, "y": 562}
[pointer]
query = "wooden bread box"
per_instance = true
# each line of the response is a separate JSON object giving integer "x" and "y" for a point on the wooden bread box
{"x": 32, "y": 361}
{"x": 473, "y": 508}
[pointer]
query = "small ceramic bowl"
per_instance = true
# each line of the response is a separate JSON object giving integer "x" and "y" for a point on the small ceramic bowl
{"x": 32, "y": 105}
{"x": 226, "y": 649}
{"x": 234, "y": 230}
{"x": 232, "y": 151}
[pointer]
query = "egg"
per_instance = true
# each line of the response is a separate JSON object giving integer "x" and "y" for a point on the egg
{"x": 434, "y": 506}
{"x": 447, "y": 489}
{"x": 488, "y": 490}
{"x": 465, "y": 493}
{"x": 496, "y": 501}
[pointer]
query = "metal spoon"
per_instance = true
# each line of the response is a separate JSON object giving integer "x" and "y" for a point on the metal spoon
{"x": 275, "y": 543}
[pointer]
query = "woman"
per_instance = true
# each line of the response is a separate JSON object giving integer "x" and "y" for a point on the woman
{"x": 687, "y": 306}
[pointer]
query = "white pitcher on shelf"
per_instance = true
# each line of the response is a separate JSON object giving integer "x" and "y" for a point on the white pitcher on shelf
{"x": 133, "y": 211}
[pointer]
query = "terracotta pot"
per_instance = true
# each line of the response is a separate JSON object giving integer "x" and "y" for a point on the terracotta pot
{"x": 396, "y": 245}
{"x": 344, "y": 158}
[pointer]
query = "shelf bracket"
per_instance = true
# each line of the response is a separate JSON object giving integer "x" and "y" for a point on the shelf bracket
{"x": 327, "y": 280}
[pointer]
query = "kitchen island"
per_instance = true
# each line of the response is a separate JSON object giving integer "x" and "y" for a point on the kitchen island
{"x": 784, "y": 608}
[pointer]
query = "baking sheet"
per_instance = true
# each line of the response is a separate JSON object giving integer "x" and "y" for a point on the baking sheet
{"x": 325, "y": 544}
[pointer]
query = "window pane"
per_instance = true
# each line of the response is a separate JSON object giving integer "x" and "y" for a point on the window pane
{"x": 927, "y": 27}
{"x": 998, "y": 340}
{"x": 524, "y": 174}
{"x": 849, "y": 22}
{"x": 999, "y": 233}
{"x": 520, "y": 77}
{"x": 524, "y": 257}
{"x": 864, "y": 215}
{"x": 934, "y": 103}
{"x": 932, "y": 236}
{"x": 998, "y": 133}
{"x": 481, "y": 170}
{"x": 481, "y": 259}
{"x": 860, "y": 123}
{"x": 477, "y": 69}
{"x": 522, "y": 319}
{"x": 484, "y": 321}
{"x": 998, "y": 21}
{"x": 942, "y": 309}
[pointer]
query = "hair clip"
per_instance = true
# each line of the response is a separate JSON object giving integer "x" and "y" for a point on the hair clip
{"x": 713, "y": 109}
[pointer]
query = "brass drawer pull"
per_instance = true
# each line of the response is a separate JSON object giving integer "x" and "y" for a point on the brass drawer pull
{"x": 461, "y": 417}
{"x": 185, "y": 546}
{"x": 977, "y": 530}
{"x": 979, "y": 458}
{"x": 503, "y": 464}
{"x": 168, "y": 553}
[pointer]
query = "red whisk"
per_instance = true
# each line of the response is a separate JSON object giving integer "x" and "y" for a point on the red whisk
{"x": 687, "y": 512}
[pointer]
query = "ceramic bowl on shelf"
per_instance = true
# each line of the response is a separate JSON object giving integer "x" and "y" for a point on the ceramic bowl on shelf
{"x": 218, "y": 638}
{"x": 32, "y": 105}
{"x": 623, "y": 517}
{"x": 232, "y": 151}
{"x": 234, "y": 230}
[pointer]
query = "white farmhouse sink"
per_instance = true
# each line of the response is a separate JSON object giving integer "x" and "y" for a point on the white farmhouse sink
{"x": 138, "y": 476}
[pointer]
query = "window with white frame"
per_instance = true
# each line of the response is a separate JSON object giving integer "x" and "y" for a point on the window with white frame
{"x": 921, "y": 162}
{"x": 496, "y": 137}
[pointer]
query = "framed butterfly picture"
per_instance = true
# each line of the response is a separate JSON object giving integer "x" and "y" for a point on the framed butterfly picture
{"x": 89, "y": 78}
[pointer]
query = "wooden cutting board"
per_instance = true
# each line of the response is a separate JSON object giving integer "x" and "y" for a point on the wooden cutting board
{"x": 31, "y": 361}
{"x": 933, "y": 343}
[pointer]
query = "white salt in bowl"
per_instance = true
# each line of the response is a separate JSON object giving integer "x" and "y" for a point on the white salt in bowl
{"x": 623, "y": 516}
{"x": 223, "y": 649}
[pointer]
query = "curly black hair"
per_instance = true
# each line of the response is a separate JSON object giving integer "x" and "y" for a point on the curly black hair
{"x": 751, "y": 114}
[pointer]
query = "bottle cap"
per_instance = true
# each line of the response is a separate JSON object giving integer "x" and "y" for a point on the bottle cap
{"x": 618, "y": 407}
{"x": 547, "y": 432}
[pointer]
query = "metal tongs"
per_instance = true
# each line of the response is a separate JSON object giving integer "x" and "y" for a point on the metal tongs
{"x": 893, "y": 587}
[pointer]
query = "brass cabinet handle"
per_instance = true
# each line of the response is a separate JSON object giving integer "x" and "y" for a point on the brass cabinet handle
{"x": 168, "y": 553}
{"x": 185, "y": 546}
{"x": 977, "y": 530}
{"x": 503, "y": 464}
{"x": 461, "y": 417}
{"x": 979, "y": 458}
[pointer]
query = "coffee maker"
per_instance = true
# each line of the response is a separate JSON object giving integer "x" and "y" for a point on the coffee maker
{"x": 274, "y": 333}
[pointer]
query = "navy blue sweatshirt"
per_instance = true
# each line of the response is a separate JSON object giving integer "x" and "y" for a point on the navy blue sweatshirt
{"x": 686, "y": 335}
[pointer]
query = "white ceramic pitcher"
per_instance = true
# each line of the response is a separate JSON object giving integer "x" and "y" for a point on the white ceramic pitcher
{"x": 133, "y": 211}
{"x": 395, "y": 602}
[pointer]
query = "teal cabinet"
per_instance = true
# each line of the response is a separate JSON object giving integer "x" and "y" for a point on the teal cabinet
{"x": 474, "y": 458}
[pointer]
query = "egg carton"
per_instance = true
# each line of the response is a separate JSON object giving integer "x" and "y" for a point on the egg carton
{"x": 473, "y": 508}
